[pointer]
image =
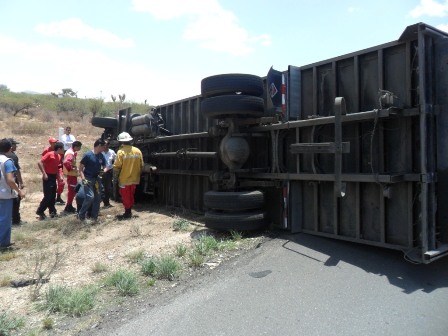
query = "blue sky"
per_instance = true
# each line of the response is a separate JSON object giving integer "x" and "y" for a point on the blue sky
{"x": 160, "y": 50}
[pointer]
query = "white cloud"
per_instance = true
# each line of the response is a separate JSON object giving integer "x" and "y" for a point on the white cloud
{"x": 11, "y": 46}
{"x": 209, "y": 24}
{"x": 76, "y": 29}
{"x": 430, "y": 8}
{"x": 443, "y": 27}
{"x": 48, "y": 68}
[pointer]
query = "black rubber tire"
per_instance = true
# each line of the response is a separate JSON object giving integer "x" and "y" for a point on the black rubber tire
{"x": 104, "y": 122}
{"x": 232, "y": 83}
{"x": 240, "y": 221}
{"x": 234, "y": 200}
{"x": 232, "y": 106}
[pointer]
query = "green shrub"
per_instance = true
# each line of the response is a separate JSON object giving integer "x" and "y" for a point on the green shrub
{"x": 196, "y": 259}
{"x": 205, "y": 244}
{"x": 236, "y": 235}
{"x": 136, "y": 256}
{"x": 151, "y": 282}
{"x": 72, "y": 302}
{"x": 124, "y": 281}
{"x": 181, "y": 250}
{"x": 167, "y": 267}
{"x": 181, "y": 224}
{"x": 95, "y": 106}
{"x": 48, "y": 323}
{"x": 226, "y": 245}
{"x": 9, "y": 324}
{"x": 148, "y": 266}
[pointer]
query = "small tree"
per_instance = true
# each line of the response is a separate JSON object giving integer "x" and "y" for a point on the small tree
{"x": 121, "y": 98}
{"x": 95, "y": 106}
{"x": 4, "y": 88}
{"x": 69, "y": 93}
{"x": 17, "y": 103}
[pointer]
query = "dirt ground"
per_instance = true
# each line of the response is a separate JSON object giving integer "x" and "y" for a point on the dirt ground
{"x": 109, "y": 242}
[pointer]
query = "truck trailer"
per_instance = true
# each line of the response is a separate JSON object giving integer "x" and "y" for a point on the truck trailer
{"x": 353, "y": 147}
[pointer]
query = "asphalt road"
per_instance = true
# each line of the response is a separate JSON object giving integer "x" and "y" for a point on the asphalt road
{"x": 304, "y": 285}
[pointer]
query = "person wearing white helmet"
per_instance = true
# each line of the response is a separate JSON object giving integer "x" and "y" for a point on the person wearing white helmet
{"x": 127, "y": 169}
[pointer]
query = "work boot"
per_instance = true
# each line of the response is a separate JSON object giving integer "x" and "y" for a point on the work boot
{"x": 127, "y": 215}
{"x": 59, "y": 200}
{"x": 69, "y": 209}
{"x": 41, "y": 215}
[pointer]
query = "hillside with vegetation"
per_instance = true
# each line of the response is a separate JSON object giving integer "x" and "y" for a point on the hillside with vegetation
{"x": 64, "y": 102}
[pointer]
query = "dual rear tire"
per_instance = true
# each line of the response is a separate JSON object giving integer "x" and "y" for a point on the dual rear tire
{"x": 235, "y": 210}
{"x": 232, "y": 95}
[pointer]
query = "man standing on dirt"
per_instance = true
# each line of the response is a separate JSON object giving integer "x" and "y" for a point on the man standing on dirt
{"x": 110, "y": 156}
{"x": 49, "y": 167}
{"x": 89, "y": 169}
{"x": 71, "y": 171}
{"x": 67, "y": 139}
{"x": 127, "y": 169}
{"x": 60, "y": 176}
{"x": 8, "y": 191}
{"x": 16, "y": 220}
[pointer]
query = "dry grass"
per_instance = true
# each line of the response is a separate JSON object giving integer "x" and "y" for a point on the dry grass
{"x": 107, "y": 246}
{"x": 91, "y": 249}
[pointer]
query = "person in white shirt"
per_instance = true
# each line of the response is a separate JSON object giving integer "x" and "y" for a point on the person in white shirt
{"x": 110, "y": 156}
{"x": 67, "y": 138}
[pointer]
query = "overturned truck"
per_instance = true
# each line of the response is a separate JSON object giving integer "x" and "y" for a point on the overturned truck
{"x": 352, "y": 148}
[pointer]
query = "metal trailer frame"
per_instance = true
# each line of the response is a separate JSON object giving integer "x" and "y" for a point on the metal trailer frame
{"x": 360, "y": 152}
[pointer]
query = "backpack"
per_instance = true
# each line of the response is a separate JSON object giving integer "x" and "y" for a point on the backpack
{"x": 5, "y": 190}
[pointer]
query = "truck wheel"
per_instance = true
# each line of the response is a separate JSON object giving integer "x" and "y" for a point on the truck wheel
{"x": 230, "y": 84}
{"x": 104, "y": 122}
{"x": 241, "y": 221}
{"x": 234, "y": 200}
{"x": 232, "y": 106}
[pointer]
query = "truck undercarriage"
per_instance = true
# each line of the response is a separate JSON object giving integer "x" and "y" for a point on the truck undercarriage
{"x": 352, "y": 148}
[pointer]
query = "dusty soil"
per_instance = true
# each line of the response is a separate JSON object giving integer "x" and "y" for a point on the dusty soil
{"x": 80, "y": 248}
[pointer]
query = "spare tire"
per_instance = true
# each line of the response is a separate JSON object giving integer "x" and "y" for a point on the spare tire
{"x": 232, "y": 83}
{"x": 234, "y": 200}
{"x": 232, "y": 106}
{"x": 104, "y": 122}
{"x": 240, "y": 221}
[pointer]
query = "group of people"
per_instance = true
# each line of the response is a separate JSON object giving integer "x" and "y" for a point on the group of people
{"x": 89, "y": 182}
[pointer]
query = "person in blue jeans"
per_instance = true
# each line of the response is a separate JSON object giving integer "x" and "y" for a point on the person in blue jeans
{"x": 90, "y": 167}
{"x": 8, "y": 191}
{"x": 81, "y": 196}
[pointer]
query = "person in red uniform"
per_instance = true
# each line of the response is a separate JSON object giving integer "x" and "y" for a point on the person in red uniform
{"x": 60, "y": 176}
{"x": 50, "y": 148}
{"x": 71, "y": 171}
{"x": 49, "y": 167}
